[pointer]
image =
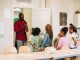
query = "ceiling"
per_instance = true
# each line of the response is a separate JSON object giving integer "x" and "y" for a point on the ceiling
{"x": 28, "y": 1}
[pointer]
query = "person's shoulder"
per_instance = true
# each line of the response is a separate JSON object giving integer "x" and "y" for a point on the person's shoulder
{"x": 32, "y": 37}
{"x": 62, "y": 38}
{"x": 17, "y": 21}
{"x": 35, "y": 37}
{"x": 46, "y": 34}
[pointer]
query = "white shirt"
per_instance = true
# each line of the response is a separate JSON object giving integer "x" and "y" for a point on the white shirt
{"x": 71, "y": 40}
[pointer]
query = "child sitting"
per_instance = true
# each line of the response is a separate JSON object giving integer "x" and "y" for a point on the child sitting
{"x": 63, "y": 41}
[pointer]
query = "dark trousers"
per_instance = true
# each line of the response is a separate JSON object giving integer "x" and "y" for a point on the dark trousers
{"x": 60, "y": 59}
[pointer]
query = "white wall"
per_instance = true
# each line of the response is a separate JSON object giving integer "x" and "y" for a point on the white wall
{"x": 31, "y": 4}
{"x": 23, "y": 4}
{"x": 58, "y": 6}
{"x": 17, "y": 3}
{"x": 40, "y": 17}
{"x": 7, "y": 24}
{"x": 76, "y": 5}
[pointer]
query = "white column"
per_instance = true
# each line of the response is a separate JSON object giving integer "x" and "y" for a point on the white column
{"x": 6, "y": 24}
{"x": 42, "y": 3}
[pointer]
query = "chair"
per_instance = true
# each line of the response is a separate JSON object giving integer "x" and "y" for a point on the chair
{"x": 9, "y": 50}
{"x": 24, "y": 49}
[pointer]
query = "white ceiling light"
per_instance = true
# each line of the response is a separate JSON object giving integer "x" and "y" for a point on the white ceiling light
{"x": 17, "y": 9}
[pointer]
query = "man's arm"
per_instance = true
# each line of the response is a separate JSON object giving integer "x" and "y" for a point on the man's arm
{"x": 26, "y": 26}
{"x": 18, "y": 28}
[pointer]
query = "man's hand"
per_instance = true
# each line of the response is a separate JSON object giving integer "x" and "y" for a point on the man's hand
{"x": 25, "y": 26}
{"x": 27, "y": 30}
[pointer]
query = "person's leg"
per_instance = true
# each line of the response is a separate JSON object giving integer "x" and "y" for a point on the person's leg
{"x": 24, "y": 43}
{"x": 60, "y": 59}
{"x": 15, "y": 44}
{"x": 19, "y": 43}
{"x": 47, "y": 59}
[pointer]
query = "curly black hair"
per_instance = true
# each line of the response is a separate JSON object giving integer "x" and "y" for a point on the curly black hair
{"x": 36, "y": 31}
{"x": 65, "y": 30}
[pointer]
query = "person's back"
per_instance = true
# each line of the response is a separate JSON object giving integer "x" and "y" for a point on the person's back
{"x": 63, "y": 42}
{"x": 47, "y": 41}
{"x": 36, "y": 40}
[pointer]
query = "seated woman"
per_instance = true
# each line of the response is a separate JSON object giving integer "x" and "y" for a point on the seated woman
{"x": 47, "y": 42}
{"x": 36, "y": 40}
{"x": 63, "y": 41}
{"x": 73, "y": 36}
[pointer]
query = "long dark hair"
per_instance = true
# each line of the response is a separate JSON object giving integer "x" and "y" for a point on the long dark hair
{"x": 49, "y": 31}
{"x": 73, "y": 27}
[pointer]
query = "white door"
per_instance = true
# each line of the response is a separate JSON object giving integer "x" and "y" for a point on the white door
{"x": 40, "y": 17}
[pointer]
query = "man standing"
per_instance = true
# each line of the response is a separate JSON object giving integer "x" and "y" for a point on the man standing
{"x": 21, "y": 28}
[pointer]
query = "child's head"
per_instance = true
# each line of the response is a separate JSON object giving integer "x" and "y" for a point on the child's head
{"x": 63, "y": 31}
{"x": 72, "y": 28}
{"x": 36, "y": 31}
{"x": 32, "y": 30}
{"x": 48, "y": 29}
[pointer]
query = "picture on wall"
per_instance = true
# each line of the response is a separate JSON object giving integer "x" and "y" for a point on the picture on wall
{"x": 63, "y": 19}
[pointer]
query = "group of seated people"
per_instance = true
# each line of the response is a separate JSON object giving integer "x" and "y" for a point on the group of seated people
{"x": 37, "y": 43}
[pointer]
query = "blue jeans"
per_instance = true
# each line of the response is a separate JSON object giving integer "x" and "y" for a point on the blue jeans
{"x": 20, "y": 43}
{"x": 60, "y": 59}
